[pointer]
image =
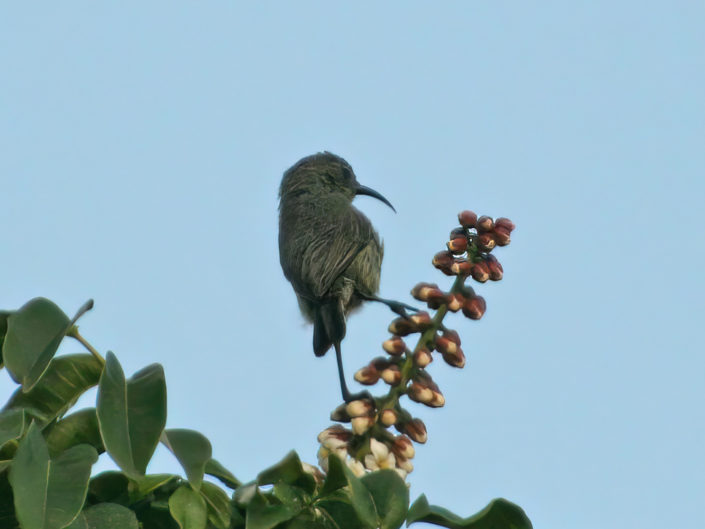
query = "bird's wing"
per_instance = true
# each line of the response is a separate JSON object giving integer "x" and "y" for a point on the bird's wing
{"x": 337, "y": 243}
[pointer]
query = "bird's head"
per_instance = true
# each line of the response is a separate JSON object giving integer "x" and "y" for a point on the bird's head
{"x": 323, "y": 175}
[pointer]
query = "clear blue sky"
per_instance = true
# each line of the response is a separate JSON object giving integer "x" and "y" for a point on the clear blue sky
{"x": 141, "y": 148}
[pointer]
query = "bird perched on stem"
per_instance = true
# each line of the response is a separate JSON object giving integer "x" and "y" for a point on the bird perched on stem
{"x": 328, "y": 249}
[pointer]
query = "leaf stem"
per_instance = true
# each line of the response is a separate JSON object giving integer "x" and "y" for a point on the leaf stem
{"x": 73, "y": 333}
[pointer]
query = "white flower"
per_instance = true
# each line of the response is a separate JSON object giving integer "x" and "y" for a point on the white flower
{"x": 380, "y": 457}
{"x": 357, "y": 468}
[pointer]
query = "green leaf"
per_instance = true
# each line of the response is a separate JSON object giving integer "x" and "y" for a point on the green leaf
{"x": 131, "y": 414}
{"x": 218, "y": 505}
{"x": 360, "y": 497}
{"x": 335, "y": 478}
{"x": 390, "y": 495}
{"x": 188, "y": 508}
{"x": 12, "y": 425}
{"x": 64, "y": 381}
{"x": 499, "y": 513}
{"x": 34, "y": 333}
{"x": 215, "y": 469}
{"x": 5, "y": 464}
{"x": 3, "y": 330}
{"x": 289, "y": 470}
{"x": 341, "y": 513}
{"x": 7, "y": 506}
{"x": 78, "y": 428}
{"x": 49, "y": 493}
{"x": 193, "y": 451}
{"x": 262, "y": 515}
{"x": 106, "y": 516}
{"x": 145, "y": 485}
{"x": 108, "y": 487}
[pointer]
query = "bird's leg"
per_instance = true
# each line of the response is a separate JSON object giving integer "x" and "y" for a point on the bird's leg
{"x": 396, "y": 306}
{"x": 347, "y": 396}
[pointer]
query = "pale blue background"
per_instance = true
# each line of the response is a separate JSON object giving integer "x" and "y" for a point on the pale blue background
{"x": 141, "y": 147}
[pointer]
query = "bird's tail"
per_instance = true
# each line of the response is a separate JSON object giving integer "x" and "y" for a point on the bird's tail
{"x": 328, "y": 326}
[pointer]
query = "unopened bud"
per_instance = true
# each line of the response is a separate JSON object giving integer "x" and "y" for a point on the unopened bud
{"x": 480, "y": 272}
{"x": 388, "y": 417}
{"x": 486, "y": 241}
{"x": 461, "y": 267}
{"x": 495, "y": 268}
{"x": 444, "y": 345}
{"x": 340, "y": 414}
{"x": 392, "y": 375}
{"x": 427, "y": 291}
{"x": 438, "y": 400}
{"x": 501, "y": 235}
{"x": 359, "y": 408}
{"x": 368, "y": 376}
{"x": 457, "y": 245}
{"x": 467, "y": 219}
{"x": 422, "y": 357}
{"x": 452, "y": 335}
{"x": 457, "y": 232}
{"x": 420, "y": 393}
{"x": 402, "y": 447}
{"x": 405, "y": 465}
{"x": 379, "y": 363}
{"x": 422, "y": 320}
{"x": 361, "y": 424}
{"x": 474, "y": 308}
{"x": 485, "y": 223}
{"x": 416, "y": 430}
{"x": 505, "y": 224}
{"x": 334, "y": 432}
{"x": 443, "y": 261}
{"x": 394, "y": 346}
{"x": 455, "y": 301}
{"x": 402, "y": 326}
{"x": 424, "y": 378}
{"x": 455, "y": 358}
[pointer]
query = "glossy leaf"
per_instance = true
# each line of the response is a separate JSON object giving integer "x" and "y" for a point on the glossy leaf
{"x": 290, "y": 471}
{"x": 390, "y": 495}
{"x": 78, "y": 428}
{"x": 499, "y": 513}
{"x": 341, "y": 513}
{"x": 34, "y": 333}
{"x": 215, "y": 469}
{"x": 131, "y": 414}
{"x": 12, "y": 425}
{"x": 7, "y": 506}
{"x": 261, "y": 515}
{"x": 106, "y": 516}
{"x": 3, "y": 330}
{"x": 49, "y": 493}
{"x": 360, "y": 497}
{"x": 193, "y": 451}
{"x": 218, "y": 505}
{"x": 145, "y": 485}
{"x": 335, "y": 478}
{"x": 108, "y": 487}
{"x": 64, "y": 381}
{"x": 188, "y": 508}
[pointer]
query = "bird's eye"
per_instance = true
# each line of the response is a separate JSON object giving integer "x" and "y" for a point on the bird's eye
{"x": 347, "y": 173}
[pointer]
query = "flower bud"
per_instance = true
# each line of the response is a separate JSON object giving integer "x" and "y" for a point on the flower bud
{"x": 444, "y": 345}
{"x": 335, "y": 431}
{"x": 340, "y": 414}
{"x": 480, "y": 272}
{"x": 379, "y": 363}
{"x": 420, "y": 393}
{"x": 495, "y": 268}
{"x": 485, "y": 223}
{"x": 501, "y": 235}
{"x": 461, "y": 267}
{"x": 402, "y": 326}
{"x": 392, "y": 375}
{"x": 427, "y": 291}
{"x": 405, "y": 465}
{"x": 455, "y": 301}
{"x": 452, "y": 335}
{"x": 359, "y": 408}
{"x": 368, "y": 376}
{"x": 467, "y": 219}
{"x": 443, "y": 261}
{"x": 361, "y": 424}
{"x": 455, "y": 358}
{"x": 505, "y": 224}
{"x": 458, "y": 245}
{"x": 422, "y": 320}
{"x": 486, "y": 242}
{"x": 474, "y": 308}
{"x": 402, "y": 447}
{"x": 388, "y": 417}
{"x": 424, "y": 378}
{"x": 457, "y": 232}
{"x": 416, "y": 429}
{"x": 438, "y": 400}
{"x": 422, "y": 357}
{"x": 394, "y": 346}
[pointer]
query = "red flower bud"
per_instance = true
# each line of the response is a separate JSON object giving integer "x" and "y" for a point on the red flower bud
{"x": 394, "y": 346}
{"x": 402, "y": 326}
{"x": 368, "y": 376}
{"x": 455, "y": 301}
{"x": 438, "y": 400}
{"x": 467, "y": 219}
{"x": 392, "y": 375}
{"x": 340, "y": 414}
{"x": 501, "y": 235}
{"x": 360, "y": 408}
{"x": 458, "y": 245}
{"x": 444, "y": 345}
{"x": 422, "y": 357}
{"x": 421, "y": 319}
{"x": 495, "y": 268}
{"x": 452, "y": 335}
{"x": 461, "y": 267}
{"x": 416, "y": 429}
{"x": 361, "y": 424}
{"x": 455, "y": 358}
{"x": 457, "y": 232}
{"x": 485, "y": 223}
{"x": 480, "y": 272}
{"x": 505, "y": 224}
{"x": 486, "y": 242}
{"x": 420, "y": 393}
{"x": 443, "y": 261}
{"x": 402, "y": 447}
{"x": 388, "y": 417}
{"x": 474, "y": 308}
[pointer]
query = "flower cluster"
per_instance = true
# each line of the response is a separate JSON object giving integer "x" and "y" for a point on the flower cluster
{"x": 369, "y": 444}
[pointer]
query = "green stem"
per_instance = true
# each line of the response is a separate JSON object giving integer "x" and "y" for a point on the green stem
{"x": 73, "y": 333}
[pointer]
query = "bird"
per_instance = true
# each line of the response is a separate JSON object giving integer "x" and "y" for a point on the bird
{"x": 328, "y": 249}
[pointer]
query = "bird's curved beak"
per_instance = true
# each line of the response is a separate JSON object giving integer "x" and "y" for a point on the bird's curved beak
{"x": 364, "y": 190}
